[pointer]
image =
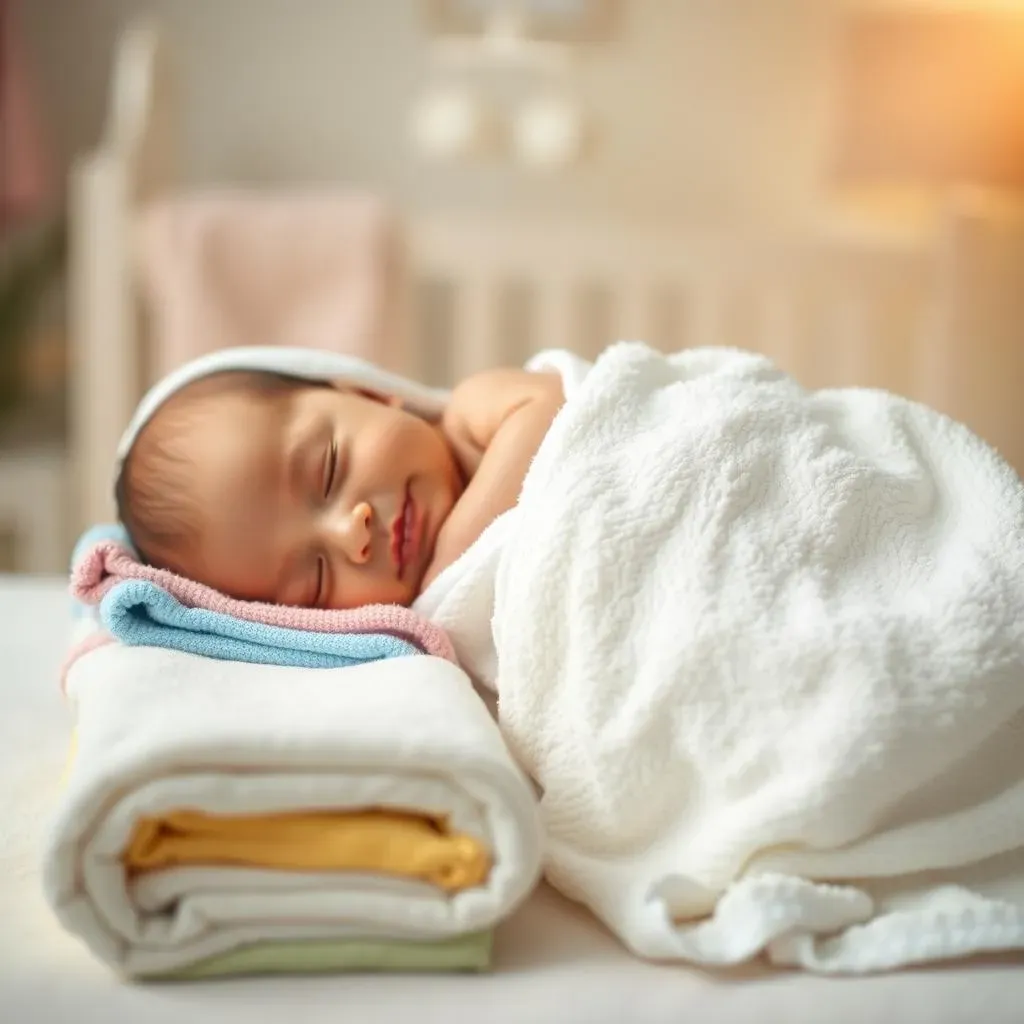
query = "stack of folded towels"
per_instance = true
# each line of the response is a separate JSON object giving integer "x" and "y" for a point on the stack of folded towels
{"x": 255, "y": 788}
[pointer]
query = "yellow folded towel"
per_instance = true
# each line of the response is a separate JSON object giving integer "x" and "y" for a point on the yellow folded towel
{"x": 388, "y": 842}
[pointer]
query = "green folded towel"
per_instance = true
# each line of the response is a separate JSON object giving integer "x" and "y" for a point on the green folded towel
{"x": 471, "y": 952}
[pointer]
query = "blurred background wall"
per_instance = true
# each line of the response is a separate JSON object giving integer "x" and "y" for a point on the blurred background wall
{"x": 705, "y": 110}
{"x": 717, "y": 115}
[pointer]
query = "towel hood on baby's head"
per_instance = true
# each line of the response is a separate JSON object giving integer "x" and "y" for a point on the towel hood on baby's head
{"x": 306, "y": 363}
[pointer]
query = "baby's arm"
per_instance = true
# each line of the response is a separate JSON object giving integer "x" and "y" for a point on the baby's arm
{"x": 494, "y": 423}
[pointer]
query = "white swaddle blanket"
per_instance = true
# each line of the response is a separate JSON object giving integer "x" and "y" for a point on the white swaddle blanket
{"x": 763, "y": 650}
{"x": 159, "y": 731}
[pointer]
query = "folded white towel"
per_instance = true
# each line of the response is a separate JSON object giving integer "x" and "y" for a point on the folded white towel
{"x": 763, "y": 650}
{"x": 158, "y": 730}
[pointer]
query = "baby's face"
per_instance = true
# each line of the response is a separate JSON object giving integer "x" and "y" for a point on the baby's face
{"x": 320, "y": 498}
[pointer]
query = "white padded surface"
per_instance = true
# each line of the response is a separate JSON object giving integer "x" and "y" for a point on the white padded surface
{"x": 554, "y": 965}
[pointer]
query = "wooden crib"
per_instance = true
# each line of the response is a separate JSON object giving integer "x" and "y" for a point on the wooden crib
{"x": 923, "y": 315}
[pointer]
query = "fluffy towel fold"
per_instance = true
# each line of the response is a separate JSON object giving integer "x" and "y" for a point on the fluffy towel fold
{"x": 387, "y": 842}
{"x": 243, "y": 267}
{"x": 159, "y": 731}
{"x": 471, "y": 952}
{"x": 763, "y": 650}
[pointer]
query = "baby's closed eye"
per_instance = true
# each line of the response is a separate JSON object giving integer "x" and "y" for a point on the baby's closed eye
{"x": 320, "y": 585}
{"x": 329, "y": 472}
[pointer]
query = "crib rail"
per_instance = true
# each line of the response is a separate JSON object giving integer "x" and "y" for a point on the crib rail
{"x": 492, "y": 291}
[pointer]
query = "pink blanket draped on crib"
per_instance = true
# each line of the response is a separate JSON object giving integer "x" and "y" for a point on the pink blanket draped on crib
{"x": 316, "y": 269}
{"x": 25, "y": 172}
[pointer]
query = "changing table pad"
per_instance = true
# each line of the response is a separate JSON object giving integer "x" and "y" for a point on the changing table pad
{"x": 553, "y": 963}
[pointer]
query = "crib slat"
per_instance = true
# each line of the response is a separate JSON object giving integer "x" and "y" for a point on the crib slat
{"x": 632, "y": 313}
{"x": 852, "y": 341}
{"x": 555, "y": 321}
{"x": 779, "y": 333}
{"x": 810, "y": 303}
{"x": 707, "y": 297}
{"x": 475, "y": 342}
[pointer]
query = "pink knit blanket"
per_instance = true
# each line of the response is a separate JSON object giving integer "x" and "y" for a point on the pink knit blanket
{"x": 108, "y": 563}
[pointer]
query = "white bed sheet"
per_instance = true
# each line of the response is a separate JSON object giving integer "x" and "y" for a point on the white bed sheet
{"x": 553, "y": 963}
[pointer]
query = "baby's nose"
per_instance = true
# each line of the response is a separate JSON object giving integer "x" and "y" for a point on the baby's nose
{"x": 357, "y": 533}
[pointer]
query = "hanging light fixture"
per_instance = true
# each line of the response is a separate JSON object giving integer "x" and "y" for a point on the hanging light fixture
{"x": 547, "y": 132}
{"x": 457, "y": 122}
{"x": 450, "y": 123}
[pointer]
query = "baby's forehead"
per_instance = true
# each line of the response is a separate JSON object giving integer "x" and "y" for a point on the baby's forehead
{"x": 207, "y": 428}
{"x": 238, "y": 453}
{"x": 199, "y": 405}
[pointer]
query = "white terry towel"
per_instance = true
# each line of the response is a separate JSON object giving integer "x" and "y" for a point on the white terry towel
{"x": 763, "y": 650}
{"x": 159, "y": 730}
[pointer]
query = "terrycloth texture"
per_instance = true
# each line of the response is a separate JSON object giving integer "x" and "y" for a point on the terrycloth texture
{"x": 158, "y": 730}
{"x": 142, "y": 605}
{"x": 470, "y": 952}
{"x": 246, "y": 268}
{"x": 763, "y": 650}
{"x": 385, "y": 842}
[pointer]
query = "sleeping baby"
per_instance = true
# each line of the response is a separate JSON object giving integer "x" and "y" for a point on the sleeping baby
{"x": 321, "y": 493}
{"x": 760, "y": 647}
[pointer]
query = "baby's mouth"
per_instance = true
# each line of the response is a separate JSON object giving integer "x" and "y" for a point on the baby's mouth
{"x": 403, "y": 534}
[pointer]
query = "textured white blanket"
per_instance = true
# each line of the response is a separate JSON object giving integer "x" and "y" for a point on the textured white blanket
{"x": 763, "y": 649}
{"x": 159, "y": 730}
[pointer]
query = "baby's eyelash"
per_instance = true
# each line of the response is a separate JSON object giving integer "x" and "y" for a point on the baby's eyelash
{"x": 330, "y": 467}
{"x": 320, "y": 573}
